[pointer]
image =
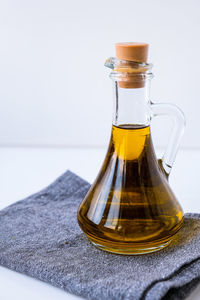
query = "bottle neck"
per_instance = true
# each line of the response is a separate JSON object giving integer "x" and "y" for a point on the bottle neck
{"x": 131, "y": 105}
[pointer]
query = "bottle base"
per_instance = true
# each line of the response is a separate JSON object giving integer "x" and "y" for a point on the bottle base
{"x": 132, "y": 249}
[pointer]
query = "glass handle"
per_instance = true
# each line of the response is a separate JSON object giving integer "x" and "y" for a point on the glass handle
{"x": 160, "y": 109}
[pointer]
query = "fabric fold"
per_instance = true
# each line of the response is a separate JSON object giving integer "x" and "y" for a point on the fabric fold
{"x": 40, "y": 237}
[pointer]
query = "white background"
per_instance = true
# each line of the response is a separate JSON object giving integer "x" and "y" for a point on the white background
{"x": 54, "y": 88}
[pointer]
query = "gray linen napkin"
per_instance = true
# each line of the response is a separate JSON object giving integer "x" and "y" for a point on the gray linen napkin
{"x": 40, "y": 237}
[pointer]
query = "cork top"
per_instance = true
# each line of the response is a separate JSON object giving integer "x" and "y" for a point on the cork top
{"x": 137, "y": 52}
{"x": 128, "y": 54}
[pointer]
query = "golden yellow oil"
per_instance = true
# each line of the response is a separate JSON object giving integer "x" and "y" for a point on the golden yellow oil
{"x": 130, "y": 208}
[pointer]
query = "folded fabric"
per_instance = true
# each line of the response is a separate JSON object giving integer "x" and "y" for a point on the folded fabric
{"x": 40, "y": 237}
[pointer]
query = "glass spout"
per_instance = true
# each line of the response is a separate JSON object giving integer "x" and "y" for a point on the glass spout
{"x": 126, "y": 65}
{"x": 129, "y": 74}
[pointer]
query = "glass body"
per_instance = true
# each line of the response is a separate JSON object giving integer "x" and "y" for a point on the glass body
{"x": 130, "y": 208}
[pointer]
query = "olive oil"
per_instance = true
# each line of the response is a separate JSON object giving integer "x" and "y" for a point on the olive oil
{"x": 130, "y": 208}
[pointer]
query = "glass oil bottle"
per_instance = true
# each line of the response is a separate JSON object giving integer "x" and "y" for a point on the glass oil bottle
{"x": 130, "y": 208}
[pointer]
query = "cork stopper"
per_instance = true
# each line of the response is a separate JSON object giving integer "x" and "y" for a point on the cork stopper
{"x": 137, "y": 52}
{"x": 132, "y": 51}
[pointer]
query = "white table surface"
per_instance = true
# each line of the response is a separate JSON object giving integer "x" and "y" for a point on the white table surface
{"x": 24, "y": 171}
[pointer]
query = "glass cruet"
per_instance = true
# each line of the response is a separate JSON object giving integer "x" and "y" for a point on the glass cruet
{"x": 130, "y": 208}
